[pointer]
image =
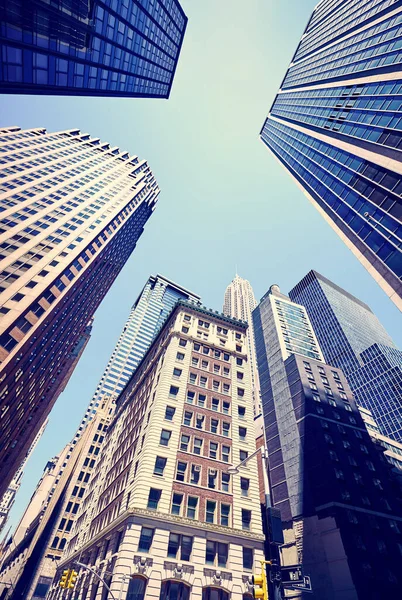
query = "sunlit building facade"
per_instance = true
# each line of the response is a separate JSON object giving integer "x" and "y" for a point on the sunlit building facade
{"x": 353, "y": 339}
{"x": 336, "y": 126}
{"x": 90, "y": 48}
{"x": 341, "y": 509}
{"x": 73, "y": 209}
{"x": 239, "y": 302}
{"x": 163, "y": 517}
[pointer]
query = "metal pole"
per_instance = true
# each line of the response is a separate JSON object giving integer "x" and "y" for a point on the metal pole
{"x": 96, "y": 575}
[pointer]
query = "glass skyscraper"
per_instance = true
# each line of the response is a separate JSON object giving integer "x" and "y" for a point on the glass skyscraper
{"x": 336, "y": 126}
{"x": 147, "y": 315}
{"x": 124, "y": 48}
{"x": 353, "y": 339}
{"x": 72, "y": 210}
{"x": 339, "y": 502}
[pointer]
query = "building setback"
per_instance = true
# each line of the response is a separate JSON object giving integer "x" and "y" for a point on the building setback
{"x": 340, "y": 504}
{"x": 123, "y": 48}
{"x": 336, "y": 126}
{"x": 240, "y": 302}
{"x": 147, "y": 315}
{"x": 162, "y": 516}
{"x": 73, "y": 209}
{"x": 392, "y": 449}
{"x": 37, "y": 546}
{"x": 353, "y": 339}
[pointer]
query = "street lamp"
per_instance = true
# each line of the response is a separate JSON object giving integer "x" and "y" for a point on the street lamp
{"x": 234, "y": 469}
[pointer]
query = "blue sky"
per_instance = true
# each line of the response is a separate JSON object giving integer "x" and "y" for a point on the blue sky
{"x": 224, "y": 200}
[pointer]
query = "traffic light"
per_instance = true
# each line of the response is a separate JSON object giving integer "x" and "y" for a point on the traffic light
{"x": 259, "y": 585}
{"x": 64, "y": 579}
{"x": 72, "y": 579}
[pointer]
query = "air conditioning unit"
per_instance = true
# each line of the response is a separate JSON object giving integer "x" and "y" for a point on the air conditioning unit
{"x": 212, "y": 471}
{"x": 197, "y": 468}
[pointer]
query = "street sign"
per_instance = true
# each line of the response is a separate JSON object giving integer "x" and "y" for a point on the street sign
{"x": 304, "y": 587}
{"x": 292, "y": 574}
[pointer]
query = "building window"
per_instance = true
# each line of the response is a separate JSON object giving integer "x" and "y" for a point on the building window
{"x": 215, "y": 404}
{"x": 225, "y": 514}
{"x": 226, "y": 454}
{"x": 225, "y": 482}
{"x": 184, "y": 442}
{"x": 177, "y": 372}
{"x": 180, "y": 546}
{"x": 192, "y": 503}
{"x": 160, "y": 464}
{"x": 244, "y": 486}
{"x": 153, "y": 498}
{"x": 214, "y": 425}
{"x": 195, "y": 474}
{"x": 226, "y": 408}
{"x": 174, "y": 590}
{"x": 188, "y": 416}
{"x": 214, "y": 594}
{"x": 210, "y": 511}
{"x": 174, "y": 390}
{"x": 145, "y": 539}
{"x": 248, "y": 558}
{"x": 203, "y": 381}
{"x": 190, "y": 397}
{"x": 169, "y": 413}
{"x": 182, "y": 343}
{"x": 243, "y": 454}
{"x": 241, "y": 411}
{"x": 213, "y": 449}
{"x": 212, "y": 474}
{"x": 242, "y": 434}
{"x": 180, "y": 356}
{"x": 165, "y": 437}
{"x": 181, "y": 471}
{"x": 199, "y": 421}
{"x": 216, "y": 554}
{"x": 176, "y": 504}
{"x": 201, "y": 400}
{"x": 225, "y": 429}
{"x": 197, "y": 446}
{"x": 245, "y": 519}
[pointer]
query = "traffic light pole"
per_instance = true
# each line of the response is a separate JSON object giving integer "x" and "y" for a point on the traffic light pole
{"x": 83, "y": 566}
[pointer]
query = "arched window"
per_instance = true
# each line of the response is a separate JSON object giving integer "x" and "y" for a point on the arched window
{"x": 136, "y": 588}
{"x": 211, "y": 593}
{"x": 55, "y": 542}
{"x": 62, "y": 543}
{"x": 174, "y": 590}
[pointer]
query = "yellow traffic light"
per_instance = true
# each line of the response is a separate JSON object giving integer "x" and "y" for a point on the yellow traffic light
{"x": 64, "y": 579}
{"x": 260, "y": 589}
{"x": 72, "y": 579}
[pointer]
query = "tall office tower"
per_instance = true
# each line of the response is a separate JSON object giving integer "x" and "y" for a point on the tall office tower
{"x": 73, "y": 210}
{"x": 340, "y": 507}
{"x": 147, "y": 315}
{"x": 7, "y": 501}
{"x": 38, "y": 543}
{"x": 239, "y": 303}
{"x": 353, "y": 339}
{"x": 122, "y": 48}
{"x": 163, "y": 518}
{"x": 336, "y": 126}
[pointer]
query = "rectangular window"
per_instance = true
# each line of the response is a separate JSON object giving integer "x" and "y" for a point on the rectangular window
{"x": 241, "y": 412}
{"x": 243, "y": 454}
{"x": 190, "y": 397}
{"x": 204, "y": 364}
{"x": 169, "y": 413}
{"x": 226, "y": 454}
{"x": 225, "y": 429}
{"x": 226, "y": 388}
{"x": 173, "y": 391}
{"x": 225, "y": 513}
{"x": 212, "y": 474}
{"x": 245, "y": 519}
{"x": 210, "y": 511}
{"x": 160, "y": 464}
{"x": 242, "y": 434}
{"x": 165, "y": 437}
{"x": 197, "y": 446}
{"x": 203, "y": 381}
{"x": 180, "y": 356}
{"x": 213, "y": 449}
{"x": 199, "y": 422}
{"x": 153, "y": 498}
{"x": 188, "y": 417}
{"x": 248, "y": 558}
{"x": 214, "y": 425}
{"x": 215, "y": 404}
{"x": 177, "y": 373}
{"x": 226, "y": 407}
{"x": 184, "y": 442}
{"x": 244, "y": 486}
{"x": 180, "y": 546}
{"x": 217, "y": 368}
{"x": 145, "y": 539}
{"x": 194, "y": 361}
{"x": 215, "y": 385}
{"x": 216, "y": 554}
{"x": 176, "y": 504}
{"x": 195, "y": 474}
{"x": 193, "y": 378}
{"x": 192, "y": 503}
{"x": 225, "y": 482}
{"x": 181, "y": 471}
{"x": 201, "y": 400}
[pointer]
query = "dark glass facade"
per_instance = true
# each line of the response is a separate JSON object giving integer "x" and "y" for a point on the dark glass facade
{"x": 336, "y": 126}
{"x": 126, "y": 48}
{"x": 340, "y": 504}
{"x": 353, "y": 339}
